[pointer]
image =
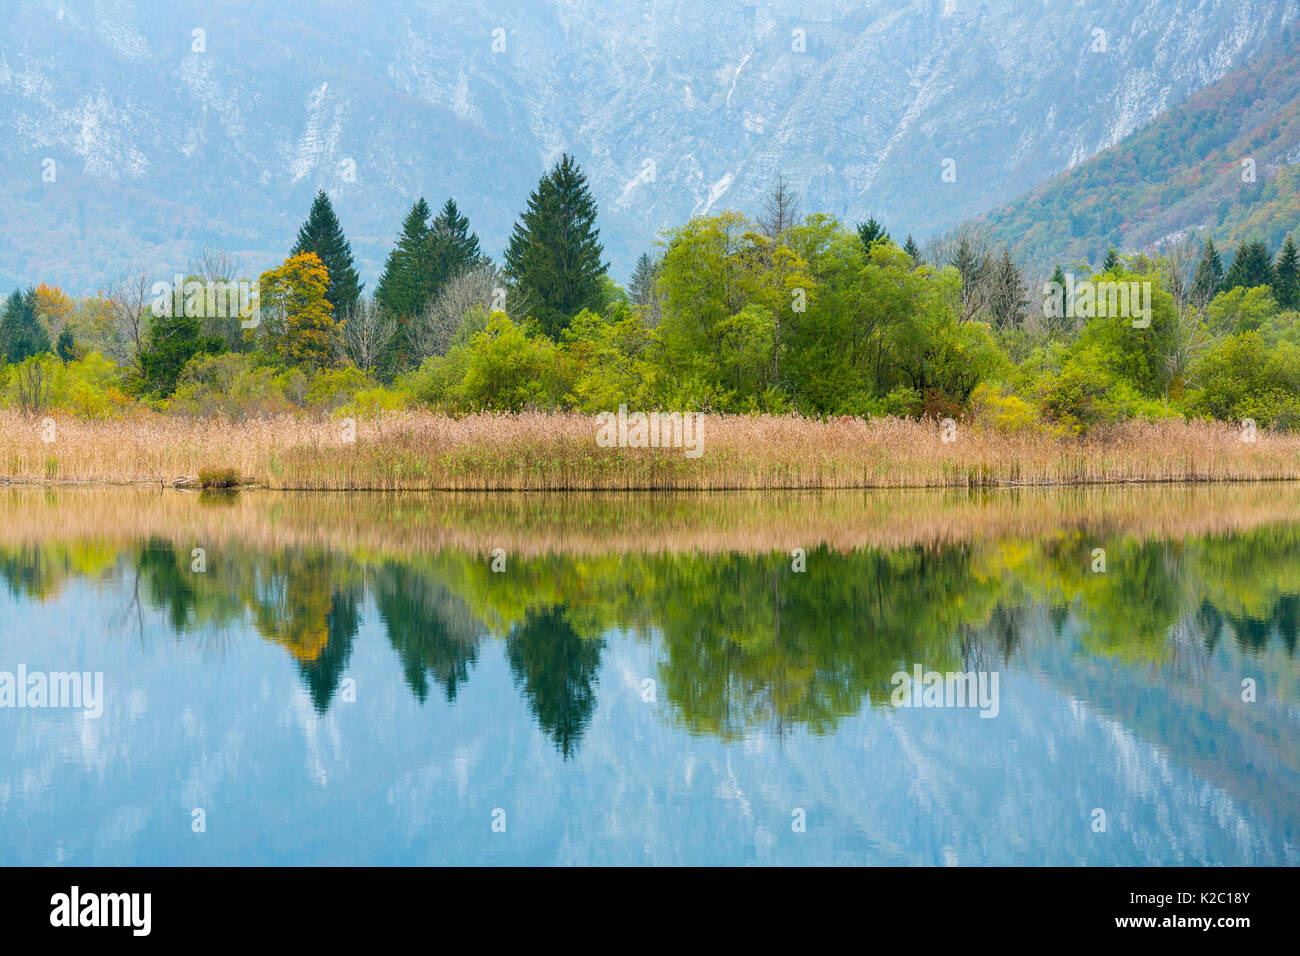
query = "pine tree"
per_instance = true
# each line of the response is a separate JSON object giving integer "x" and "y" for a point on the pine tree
{"x": 554, "y": 256}
{"x": 1286, "y": 276}
{"x": 913, "y": 250}
{"x": 871, "y": 231}
{"x": 1252, "y": 266}
{"x": 322, "y": 235}
{"x": 22, "y": 333}
{"x": 1209, "y": 274}
{"x": 403, "y": 288}
{"x": 1112, "y": 262}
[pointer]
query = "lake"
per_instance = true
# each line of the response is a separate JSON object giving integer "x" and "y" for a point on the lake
{"x": 1029, "y": 676}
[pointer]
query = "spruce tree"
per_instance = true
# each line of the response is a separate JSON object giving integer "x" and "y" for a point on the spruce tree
{"x": 22, "y": 333}
{"x": 1112, "y": 261}
{"x": 554, "y": 259}
{"x": 871, "y": 231}
{"x": 1252, "y": 266}
{"x": 1059, "y": 323}
{"x": 1286, "y": 276}
{"x": 404, "y": 287}
{"x": 322, "y": 235}
{"x": 913, "y": 250}
{"x": 641, "y": 289}
{"x": 1209, "y": 274}
{"x": 460, "y": 246}
{"x": 1009, "y": 298}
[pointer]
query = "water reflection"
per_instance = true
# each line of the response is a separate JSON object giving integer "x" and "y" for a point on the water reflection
{"x": 738, "y": 645}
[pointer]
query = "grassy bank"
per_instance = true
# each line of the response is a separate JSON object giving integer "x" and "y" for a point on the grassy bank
{"x": 425, "y": 451}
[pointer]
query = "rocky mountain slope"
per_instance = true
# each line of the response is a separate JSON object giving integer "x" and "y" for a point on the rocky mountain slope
{"x": 135, "y": 133}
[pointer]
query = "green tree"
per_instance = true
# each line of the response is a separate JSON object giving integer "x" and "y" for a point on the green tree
{"x": 1286, "y": 276}
{"x": 1059, "y": 323}
{"x": 554, "y": 258}
{"x": 871, "y": 231}
{"x": 322, "y": 235}
{"x": 1251, "y": 266}
{"x": 174, "y": 337}
{"x": 22, "y": 332}
{"x": 1209, "y": 274}
{"x": 457, "y": 247}
{"x": 1112, "y": 261}
{"x": 912, "y": 250}
{"x": 403, "y": 287}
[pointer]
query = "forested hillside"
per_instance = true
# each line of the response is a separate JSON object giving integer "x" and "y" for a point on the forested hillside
{"x": 1227, "y": 161}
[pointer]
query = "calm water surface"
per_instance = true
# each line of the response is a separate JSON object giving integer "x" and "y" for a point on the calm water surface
{"x": 345, "y": 696}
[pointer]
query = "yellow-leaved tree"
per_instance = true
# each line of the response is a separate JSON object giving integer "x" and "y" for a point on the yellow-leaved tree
{"x": 296, "y": 319}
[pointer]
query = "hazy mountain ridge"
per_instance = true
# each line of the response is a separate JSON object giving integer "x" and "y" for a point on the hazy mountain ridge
{"x": 673, "y": 109}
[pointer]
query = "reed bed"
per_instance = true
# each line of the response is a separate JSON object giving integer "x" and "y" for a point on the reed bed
{"x": 414, "y": 450}
{"x": 390, "y": 525}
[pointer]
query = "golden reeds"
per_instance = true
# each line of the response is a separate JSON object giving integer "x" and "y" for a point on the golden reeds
{"x": 416, "y": 450}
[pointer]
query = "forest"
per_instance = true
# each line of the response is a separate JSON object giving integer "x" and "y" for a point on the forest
{"x": 779, "y": 313}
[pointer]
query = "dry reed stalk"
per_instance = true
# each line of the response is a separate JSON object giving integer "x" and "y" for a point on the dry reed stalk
{"x": 415, "y": 450}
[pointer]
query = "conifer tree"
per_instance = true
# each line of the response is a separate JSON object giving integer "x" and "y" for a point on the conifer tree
{"x": 871, "y": 231}
{"x": 1059, "y": 323}
{"x": 913, "y": 250}
{"x": 1252, "y": 266}
{"x": 1209, "y": 274}
{"x": 641, "y": 289}
{"x": 1008, "y": 303}
{"x": 1112, "y": 261}
{"x": 554, "y": 259}
{"x": 404, "y": 286}
{"x": 1286, "y": 276}
{"x": 22, "y": 333}
{"x": 460, "y": 246}
{"x": 322, "y": 235}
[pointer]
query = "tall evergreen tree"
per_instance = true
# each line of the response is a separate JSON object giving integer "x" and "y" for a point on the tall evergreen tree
{"x": 1286, "y": 276}
{"x": 913, "y": 250}
{"x": 22, "y": 333}
{"x": 871, "y": 231}
{"x": 1059, "y": 323}
{"x": 1112, "y": 261}
{"x": 460, "y": 246}
{"x": 554, "y": 258}
{"x": 1009, "y": 300}
{"x": 1252, "y": 266}
{"x": 323, "y": 235}
{"x": 641, "y": 289}
{"x": 405, "y": 287}
{"x": 1209, "y": 274}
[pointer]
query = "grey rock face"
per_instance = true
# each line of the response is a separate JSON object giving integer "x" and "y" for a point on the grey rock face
{"x": 136, "y": 133}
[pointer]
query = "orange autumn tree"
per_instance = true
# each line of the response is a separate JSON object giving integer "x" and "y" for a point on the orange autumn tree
{"x": 296, "y": 319}
{"x": 53, "y": 304}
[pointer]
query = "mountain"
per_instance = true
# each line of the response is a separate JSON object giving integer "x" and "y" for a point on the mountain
{"x": 136, "y": 133}
{"x": 1226, "y": 162}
